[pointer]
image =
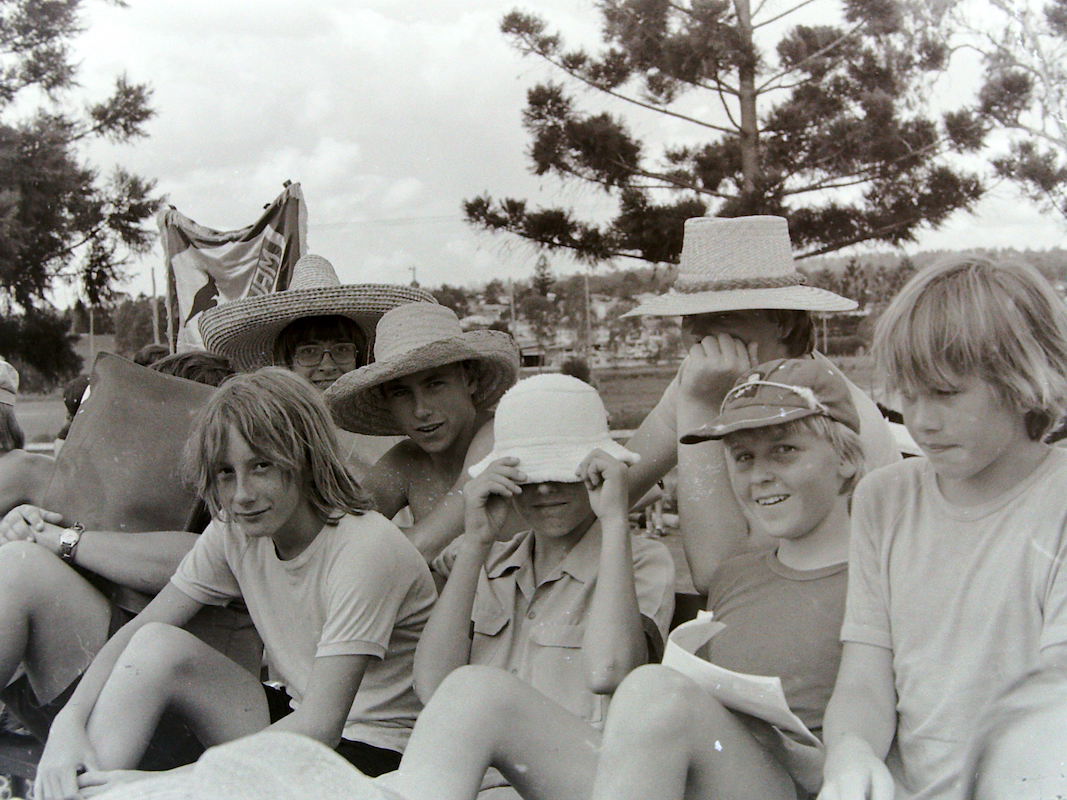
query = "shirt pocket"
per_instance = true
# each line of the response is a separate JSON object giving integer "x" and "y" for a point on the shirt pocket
{"x": 559, "y": 670}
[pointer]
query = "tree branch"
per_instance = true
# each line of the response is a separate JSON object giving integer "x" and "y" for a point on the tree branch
{"x": 777, "y": 17}
{"x": 811, "y": 56}
{"x": 660, "y": 109}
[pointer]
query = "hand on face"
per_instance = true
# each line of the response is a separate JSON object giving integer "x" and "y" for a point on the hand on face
{"x": 713, "y": 365}
{"x": 486, "y": 498}
{"x": 604, "y": 477}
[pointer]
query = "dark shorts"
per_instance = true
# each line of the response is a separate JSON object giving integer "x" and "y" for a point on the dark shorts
{"x": 173, "y": 744}
{"x": 367, "y": 758}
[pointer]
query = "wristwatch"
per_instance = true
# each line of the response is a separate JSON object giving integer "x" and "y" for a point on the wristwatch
{"x": 68, "y": 541}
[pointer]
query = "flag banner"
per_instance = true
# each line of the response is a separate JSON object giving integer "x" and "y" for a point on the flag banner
{"x": 206, "y": 268}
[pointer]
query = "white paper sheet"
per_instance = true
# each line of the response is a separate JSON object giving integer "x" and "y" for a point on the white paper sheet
{"x": 757, "y": 695}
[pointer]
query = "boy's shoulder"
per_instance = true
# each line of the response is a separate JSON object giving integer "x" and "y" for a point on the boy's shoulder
{"x": 891, "y": 481}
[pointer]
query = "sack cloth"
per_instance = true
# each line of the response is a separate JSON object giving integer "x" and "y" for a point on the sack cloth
{"x": 120, "y": 471}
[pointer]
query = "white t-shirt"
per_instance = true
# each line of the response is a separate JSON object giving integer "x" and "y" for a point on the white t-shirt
{"x": 965, "y": 597}
{"x": 359, "y": 588}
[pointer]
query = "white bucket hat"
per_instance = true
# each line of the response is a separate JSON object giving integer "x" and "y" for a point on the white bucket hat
{"x": 551, "y": 423}
{"x": 271, "y": 764}
{"x": 738, "y": 263}
{"x": 245, "y": 330}
{"x": 411, "y": 338}
{"x": 9, "y": 383}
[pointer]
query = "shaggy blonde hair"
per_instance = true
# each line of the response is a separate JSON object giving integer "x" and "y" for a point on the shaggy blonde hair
{"x": 282, "y": 418}
{"x": 969, "y": 316}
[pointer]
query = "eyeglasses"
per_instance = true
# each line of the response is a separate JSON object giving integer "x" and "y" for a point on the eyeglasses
{"x": 311, "y": 355}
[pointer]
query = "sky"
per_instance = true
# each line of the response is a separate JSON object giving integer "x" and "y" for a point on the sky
{"x": 389, "y": 113}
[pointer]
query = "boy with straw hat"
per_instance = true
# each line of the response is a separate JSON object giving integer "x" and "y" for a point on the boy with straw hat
{"x": 435, "y": 384}
{"x": 317, "y": 328}
{"x": 742, "y": 302}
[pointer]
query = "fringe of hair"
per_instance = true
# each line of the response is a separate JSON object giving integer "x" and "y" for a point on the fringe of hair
{"x": 970, "y": 316}
{"x": 283, "y": 419}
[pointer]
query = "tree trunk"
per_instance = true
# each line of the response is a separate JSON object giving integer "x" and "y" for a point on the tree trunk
{"x": 747, "y": 101}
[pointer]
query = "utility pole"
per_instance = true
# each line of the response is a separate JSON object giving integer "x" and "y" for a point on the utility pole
{"x": 155, "y": 310}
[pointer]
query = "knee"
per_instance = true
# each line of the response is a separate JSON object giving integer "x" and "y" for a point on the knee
{"x": 159, "y": 650}
{"x": 656, "y": 700}
{"x": 478, "y": 693}
{"x": 27, "y": 571}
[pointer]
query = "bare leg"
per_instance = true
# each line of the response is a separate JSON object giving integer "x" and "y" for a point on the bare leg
{"x": 667, "y": 738}
{"x": 482, "y": 716}
{"x": 163, "y": 667}
{"x": 55, "y": 622}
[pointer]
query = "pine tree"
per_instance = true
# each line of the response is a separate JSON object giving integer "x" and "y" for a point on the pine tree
{"x": 826, "y": 127}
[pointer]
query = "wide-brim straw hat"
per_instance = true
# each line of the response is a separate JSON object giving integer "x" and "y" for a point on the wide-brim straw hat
{"x": 411, "y": 338}
{"x": 735, "y": 264}
{"x": 550, "y": 423}
{"x": 278, "y": 765}
{"x": 245, "y": 330}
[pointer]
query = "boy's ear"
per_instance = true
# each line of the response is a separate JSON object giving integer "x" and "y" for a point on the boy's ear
{"x": 846, "y": 470}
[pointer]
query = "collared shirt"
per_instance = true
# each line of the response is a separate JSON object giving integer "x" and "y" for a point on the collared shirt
{"x": 536, "y": 631}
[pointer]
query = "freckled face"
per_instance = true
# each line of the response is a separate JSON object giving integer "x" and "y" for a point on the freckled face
{"x": 786, "y": 483}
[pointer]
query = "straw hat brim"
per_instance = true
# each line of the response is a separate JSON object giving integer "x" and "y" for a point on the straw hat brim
{"x": 357, "y": 407}
{"x": 245, "y": 330}
{"x": 797, "y": 298}
{"x": 552, "y": 461}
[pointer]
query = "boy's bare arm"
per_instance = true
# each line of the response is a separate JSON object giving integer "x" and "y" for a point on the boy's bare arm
{"x": 859, "y": 726}
{"x": 445, "y": 644}
{"x": 712, "y": 525}
{"x": 142, "y": 561}
{"x": 330, "y": 691}
{"x": 614, "y": 641}
{"x": 657, "y": 445}
{"x": 386, "y": 482}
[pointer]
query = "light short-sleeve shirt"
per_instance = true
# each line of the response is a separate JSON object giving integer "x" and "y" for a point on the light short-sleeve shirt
{"x": 966, "y": 598}
{"x": 535, "y": 631}
{"x": 359, "y": 588}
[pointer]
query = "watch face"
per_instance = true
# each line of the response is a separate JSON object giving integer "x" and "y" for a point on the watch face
{"x": 68, "y": 537}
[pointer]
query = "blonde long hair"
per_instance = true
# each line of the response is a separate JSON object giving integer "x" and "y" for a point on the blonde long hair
{"x": 283, "y": 419}
{"x": 970, "y": 316}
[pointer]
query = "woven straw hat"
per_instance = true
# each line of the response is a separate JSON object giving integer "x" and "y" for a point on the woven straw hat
{"x": 778, "y": 392}
{"x": 245, "y": 330}
{"x": 411, "y": 338}
{"x": 9, "y": 383}
{"x": 550, "y": 423}
{"x": 738, "y": 263}
{"x": 271, "y": 764}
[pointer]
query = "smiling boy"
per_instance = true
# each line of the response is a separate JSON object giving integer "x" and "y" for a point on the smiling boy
{"x": 435, "y": 384}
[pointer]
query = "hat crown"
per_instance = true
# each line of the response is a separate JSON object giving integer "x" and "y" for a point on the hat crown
{"x": 412, "y": 325}
{"x": 793, "y": 384}
{"x": 555, "y": 408}
{"x": 741, "y": 251}
{"x": 313, "y": 272}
